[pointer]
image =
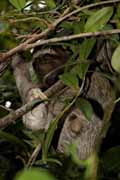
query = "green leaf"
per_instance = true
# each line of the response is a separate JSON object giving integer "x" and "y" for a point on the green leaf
{"x": 86, "y": 48}
{"x": 71, "y": 80}
{"x": 98, "y": 20}
{"x": 35, "y": 174}
{"x": 49, "y": 136}
{"x": 35, "y": 137}
{"x": 50, "y": 3}
{"x": 48, "y": 139}
{"x": 111, "y": 159}
{"x": 116, "y": 59}
{"x": 81, "y": 70}
{"x": 67, "y": 26}
{"x": 53, "y": 160}
{"x": 18, "y": 4}
{"x": 85, "y": 107}
{"x": 78, "y": 27}
{"x": 118, "y": 11}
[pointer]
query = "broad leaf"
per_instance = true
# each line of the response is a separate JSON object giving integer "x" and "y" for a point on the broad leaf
{"x": 85, "y": 107}
{"x": 98, "y": 20}
{"x": 78, "y": 27}
{"x": 50, "y": 3}
{"x": 86, "y": 48}
{"x": 18, "y": 4}
{"x": 116, "y": 59}
{"x": 67, "y": 26}
{"x": 35, "y": 174}
{"x": 118, "y": 11}
{"x": 71, "y": 80}
{"x": 82, "y": 69}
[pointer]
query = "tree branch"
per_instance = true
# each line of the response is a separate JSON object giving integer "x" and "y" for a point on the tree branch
{"x": 22, "y": 46}
{"x": 88, "y": 7}
{"x": 72, "y": 37}
{"x": 14, "y": 115}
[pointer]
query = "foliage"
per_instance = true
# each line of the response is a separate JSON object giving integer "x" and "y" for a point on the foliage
{"x": 98, "y": 20}
{"x": 85, "y": 107}
{"x": 19, "y": 20}
{"x": 18, "y": 4}
{"x": 34, "y": 174}
{"x": 115, "y": 59}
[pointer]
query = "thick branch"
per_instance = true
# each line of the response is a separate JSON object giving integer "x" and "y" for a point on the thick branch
{"x": 14, "y": 115}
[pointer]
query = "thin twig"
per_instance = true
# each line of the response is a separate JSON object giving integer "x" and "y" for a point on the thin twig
{"x": 66, "y": 16}
{"x": 19, "y": 36}
{"x": 72, "y": 37}
{"x": 22, "y": 46}
{"x": 5, "y": 108}
{"x": 88, "y": 7}
{"x": 29, "y": 19}
{"x": 34, "y": 156}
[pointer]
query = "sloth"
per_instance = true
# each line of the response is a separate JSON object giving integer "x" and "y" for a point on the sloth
{"x": 48, "y": 64}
